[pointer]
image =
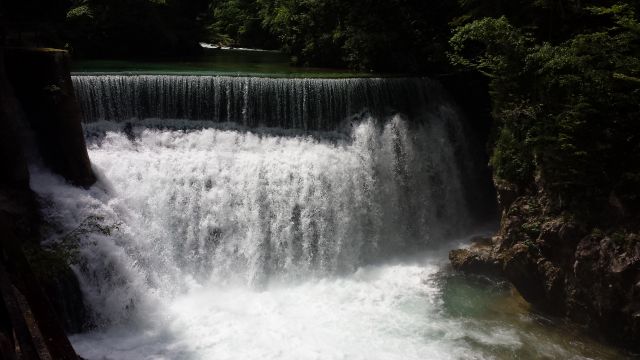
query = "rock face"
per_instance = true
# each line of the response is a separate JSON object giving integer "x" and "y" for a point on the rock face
{"x": 17, "y": 202}
{"x": 42, "y": 84}
{"x": 62, "y": 287}
{"x": 29, "y": 327}
{"x": 479, "y": 258}
{"x": 564, "y": 266}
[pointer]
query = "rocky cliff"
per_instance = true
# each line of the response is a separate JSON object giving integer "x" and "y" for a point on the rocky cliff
{"x": 39, "y": 300}
{"x": 564, "y": 265}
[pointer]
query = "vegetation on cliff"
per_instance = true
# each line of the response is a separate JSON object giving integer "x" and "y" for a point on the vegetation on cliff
{"x": 566, "y": 104}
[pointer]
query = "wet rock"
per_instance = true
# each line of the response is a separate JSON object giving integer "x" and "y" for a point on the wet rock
{"x": 606, "y": 273}
{"x": 477, "y": 259}
{"x": 507, "y": 193}
{"x": 32, "y": 322}
{"x": 63, "y": 289}
{"x": 521, "y": 269}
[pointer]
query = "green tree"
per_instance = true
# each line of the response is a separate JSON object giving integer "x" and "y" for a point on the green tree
{"x": 394, "y": 35}
{"x": 238, "y": 23}
{"x": 566, "y": 108}
{"x": 136, "y": 27}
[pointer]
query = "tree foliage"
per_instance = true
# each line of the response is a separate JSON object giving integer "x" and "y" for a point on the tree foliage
{"x": 394, "y": 35}
{"x": 135, "y": 27}
{"x": 567, "y": 107}
{"x": 239, "y": 23}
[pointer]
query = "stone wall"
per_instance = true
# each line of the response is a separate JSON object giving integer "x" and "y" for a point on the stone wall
{"x": 42, "y": 83}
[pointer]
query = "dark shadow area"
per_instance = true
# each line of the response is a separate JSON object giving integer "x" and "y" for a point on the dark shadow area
{"x": 31, "y": 326}
{"x": 470, "y": 92}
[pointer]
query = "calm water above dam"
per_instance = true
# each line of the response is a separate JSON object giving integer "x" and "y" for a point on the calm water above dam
{"x": 214, "y": 62}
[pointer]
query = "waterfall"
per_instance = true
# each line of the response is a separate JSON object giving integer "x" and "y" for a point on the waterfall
{"x": 182, "y": 209}
{"x": 308, "y": 104}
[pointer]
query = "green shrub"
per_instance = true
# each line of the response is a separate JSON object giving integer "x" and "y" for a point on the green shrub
{"x": 566, "y": 109}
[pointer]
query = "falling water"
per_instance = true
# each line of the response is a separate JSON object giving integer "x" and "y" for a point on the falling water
{"x": 253, "y": 243}
{"x": 309, "y": 104}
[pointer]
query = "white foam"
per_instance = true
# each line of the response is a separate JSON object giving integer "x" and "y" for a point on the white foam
{"x": 386, "y": 312}
{"x": 253, "y": 245}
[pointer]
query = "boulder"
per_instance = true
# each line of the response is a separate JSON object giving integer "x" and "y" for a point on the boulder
{"x": 478, "y": 258}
